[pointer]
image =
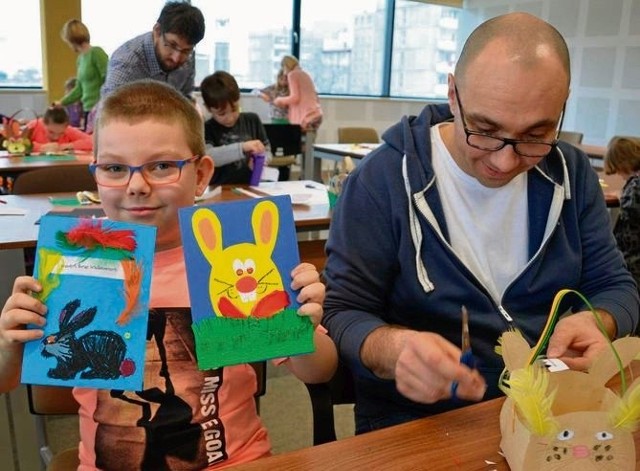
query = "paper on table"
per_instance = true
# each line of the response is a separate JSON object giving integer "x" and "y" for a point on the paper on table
{"x": 5, "y": 211}
{"x": 301, "y": 192}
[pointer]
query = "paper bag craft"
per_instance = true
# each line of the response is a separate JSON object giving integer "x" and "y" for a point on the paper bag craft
{"x": 239, "y": 256}
{"x": 96, "y": 278}
{"x": 568, "y": 420}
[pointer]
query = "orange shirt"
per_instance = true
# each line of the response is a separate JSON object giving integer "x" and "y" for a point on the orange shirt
{"x": 78, "y": 139}
{"x": 184, "y": 418}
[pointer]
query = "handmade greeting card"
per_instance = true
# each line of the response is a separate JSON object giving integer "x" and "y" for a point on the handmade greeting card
{"x": 96, "y": 279}
{"x": 239, "y": 257}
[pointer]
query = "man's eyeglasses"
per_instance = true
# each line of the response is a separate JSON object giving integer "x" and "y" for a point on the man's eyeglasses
{"x": 484, "y": 141}
{"x": 175, "y": 48}
{"x": 159, "y": 172}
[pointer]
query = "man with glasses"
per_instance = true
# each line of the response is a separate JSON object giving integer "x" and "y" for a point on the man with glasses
{"x": 476, "y": 205}
{"x": 164, "y": 54}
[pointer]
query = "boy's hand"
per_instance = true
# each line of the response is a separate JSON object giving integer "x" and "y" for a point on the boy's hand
{"x": 253, "y": 147}
{"x": 21, "y": 309}
{"x": 311, "y": 296}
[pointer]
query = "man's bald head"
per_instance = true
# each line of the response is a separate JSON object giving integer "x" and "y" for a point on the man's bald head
{"x": 524, "y": 38}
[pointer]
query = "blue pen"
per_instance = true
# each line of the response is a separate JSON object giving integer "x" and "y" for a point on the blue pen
{"x": 467, "y": 357}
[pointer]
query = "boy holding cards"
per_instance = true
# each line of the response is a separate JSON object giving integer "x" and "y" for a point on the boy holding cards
{"x": 150, "y": 162}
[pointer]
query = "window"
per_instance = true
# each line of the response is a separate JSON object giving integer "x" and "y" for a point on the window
{"x": 424, "y": 49}
{"x": 342, "y": 45}
{"x": 349, "y": 47}
{"x": 139, "y": 18}
{"x": 21, "y": 50}
{"x": 247, "y": 38}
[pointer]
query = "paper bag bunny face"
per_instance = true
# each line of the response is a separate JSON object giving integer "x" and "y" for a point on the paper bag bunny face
{"x": 244, "y": 279}
{"x": 568, "y": 420}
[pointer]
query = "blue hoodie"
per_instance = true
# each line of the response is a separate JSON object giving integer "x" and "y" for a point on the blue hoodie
{"x": 390, "y": 261}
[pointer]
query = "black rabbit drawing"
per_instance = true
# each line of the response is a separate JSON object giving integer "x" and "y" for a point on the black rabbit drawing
{"x": 96, "y": 354}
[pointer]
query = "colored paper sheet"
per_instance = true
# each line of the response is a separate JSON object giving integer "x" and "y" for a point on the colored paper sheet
{"x": 96, "y": 278}
{"x": 239, "y": 256}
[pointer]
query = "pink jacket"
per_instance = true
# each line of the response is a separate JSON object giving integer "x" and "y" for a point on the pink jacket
{"x": 78, "y": 139}
{"x": 303, "y": 103}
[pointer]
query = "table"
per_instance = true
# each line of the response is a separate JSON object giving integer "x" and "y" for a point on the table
{"x": 312, "y": 168}
{"x": 12, "y": 166}
{"x": 18, "y": 232}
{"x": 461, "y": 439}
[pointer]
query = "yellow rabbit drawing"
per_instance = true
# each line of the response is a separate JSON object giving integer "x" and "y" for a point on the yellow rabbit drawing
{"x": 568, "y": 420}
{"x": 244, "y": 281}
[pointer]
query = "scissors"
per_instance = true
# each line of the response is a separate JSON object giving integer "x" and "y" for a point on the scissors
{"x": 466, "y": 358}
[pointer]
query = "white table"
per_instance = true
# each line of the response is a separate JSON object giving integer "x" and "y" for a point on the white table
{"x": 312, "y": 168}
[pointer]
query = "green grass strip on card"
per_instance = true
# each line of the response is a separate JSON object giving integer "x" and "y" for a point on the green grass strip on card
{"x": 223, "y": 341}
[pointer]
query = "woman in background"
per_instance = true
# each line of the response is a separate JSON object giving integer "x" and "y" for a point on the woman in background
{"x": 91, "y": 70}
{"x": 623, "y": 157}
{"x": 303, "y": 103}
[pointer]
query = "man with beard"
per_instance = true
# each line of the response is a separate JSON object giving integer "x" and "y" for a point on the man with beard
{"x": 164, "y": 54}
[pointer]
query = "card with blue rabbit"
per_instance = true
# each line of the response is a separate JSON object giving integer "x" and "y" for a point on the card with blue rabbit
{"x": 239, "y": 257}
{"x": 96, "y": 279}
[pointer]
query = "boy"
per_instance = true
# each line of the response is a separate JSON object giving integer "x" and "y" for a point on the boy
{"x": 165, "y": 425}
{"x": 52, "y": 133}
{"x": 232, "y": 137}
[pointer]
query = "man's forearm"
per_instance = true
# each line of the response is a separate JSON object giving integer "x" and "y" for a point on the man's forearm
{"x": 381, "y": 349}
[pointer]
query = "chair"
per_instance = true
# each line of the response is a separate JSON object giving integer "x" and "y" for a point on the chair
{"x": 55, "y": 400}
{"x": 339, "y": 390}
{"x": 286, "y": 143}
{"x": 55, "y": 180}
{"x": 52, "y": 400}
{"x": 348, "y": 135}
{"x": 572, "y": 137}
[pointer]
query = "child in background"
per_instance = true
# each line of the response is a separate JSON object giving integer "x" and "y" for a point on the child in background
{"x": 278, "y": 114}
{"x": 623, "y": 157}
{"x": 189, "y": 423}
{"x": 74, "y": 110}
{"x": 232, "y": 137}
{"x": 52, "y": 133}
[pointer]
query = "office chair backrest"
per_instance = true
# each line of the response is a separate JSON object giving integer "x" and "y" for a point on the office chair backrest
{"x": 286, "y": 136}
{"x": 572, "y": 137}
{"x": 349, "y": 135}
{"x": 339, "y": 390}
{"x": 55, "y": 180}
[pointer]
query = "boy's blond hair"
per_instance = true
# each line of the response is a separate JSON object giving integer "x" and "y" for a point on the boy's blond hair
{"x": 150, "y": 100}
{"x": 623, "y": 154}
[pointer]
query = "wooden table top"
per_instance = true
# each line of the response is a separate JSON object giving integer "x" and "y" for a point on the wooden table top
{"x": 20, "y": 231}
{"x": 17, "y": 164}
{"x": 466, "y": 439}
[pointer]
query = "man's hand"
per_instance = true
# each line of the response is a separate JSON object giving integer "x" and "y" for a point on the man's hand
{"x": 577, "y": 340}
{"x": 424, "y": 365}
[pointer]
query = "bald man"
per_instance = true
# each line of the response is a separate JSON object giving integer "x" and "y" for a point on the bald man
{"x": 472, "y": 203}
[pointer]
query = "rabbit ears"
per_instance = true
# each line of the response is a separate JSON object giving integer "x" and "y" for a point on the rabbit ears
{"x": 69, "y": 322}
{"x": 208, "y": 230}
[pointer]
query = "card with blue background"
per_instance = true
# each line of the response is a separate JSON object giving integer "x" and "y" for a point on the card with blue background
{"x": 96, "y": 278}
{"x": 239, "y": 257}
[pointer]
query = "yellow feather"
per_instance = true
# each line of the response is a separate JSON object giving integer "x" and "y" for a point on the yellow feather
{"x": 626, "y": 414}
{"x": 49, "y": 268}
{"x": 527, "y": 387}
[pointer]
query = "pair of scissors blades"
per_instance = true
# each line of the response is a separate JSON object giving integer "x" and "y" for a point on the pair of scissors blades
{"x": 466, "y": 358}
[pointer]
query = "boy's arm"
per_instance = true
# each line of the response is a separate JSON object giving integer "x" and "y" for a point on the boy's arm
{"x": 223, "y": 155}
{"x": 316, "y": 367}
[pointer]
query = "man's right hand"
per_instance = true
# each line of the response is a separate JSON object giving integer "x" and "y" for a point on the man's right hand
{"x": 423, "y": 364}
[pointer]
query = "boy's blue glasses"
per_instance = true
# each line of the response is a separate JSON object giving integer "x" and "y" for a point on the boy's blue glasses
{"x": 158, "y": 172}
